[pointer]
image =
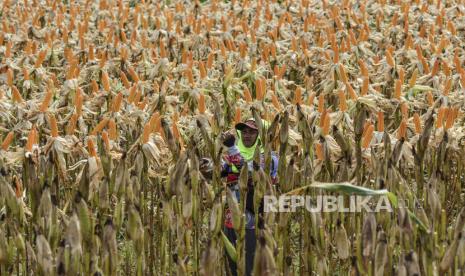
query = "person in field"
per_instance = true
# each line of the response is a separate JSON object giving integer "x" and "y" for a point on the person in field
{"x": 240, "y": 152}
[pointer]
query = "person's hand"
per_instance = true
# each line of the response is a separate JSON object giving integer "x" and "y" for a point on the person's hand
{"x": 205, "y": 164}
{"x": 206, "y": 167}
{"x": 228, "y": 139}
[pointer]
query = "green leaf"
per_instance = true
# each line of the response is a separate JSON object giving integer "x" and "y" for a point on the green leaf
{"x": 230, "y": 249}
{"x": 393, "y": 199}
{"x": 344, "y": 187}
{"x": 421, "y": 225}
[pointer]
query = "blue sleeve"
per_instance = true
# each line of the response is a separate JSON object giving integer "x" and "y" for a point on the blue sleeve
{"x": 224, "y": 166}
{"x": 274, "y": 165}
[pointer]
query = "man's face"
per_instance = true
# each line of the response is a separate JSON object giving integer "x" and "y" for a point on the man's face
{"x": 249, "y": 135}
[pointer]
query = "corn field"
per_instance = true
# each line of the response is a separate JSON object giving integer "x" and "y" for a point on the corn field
{"x": 109, "y": 108}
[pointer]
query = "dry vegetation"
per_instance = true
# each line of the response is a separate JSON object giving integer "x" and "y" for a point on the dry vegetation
{"x": 107, "y": 107}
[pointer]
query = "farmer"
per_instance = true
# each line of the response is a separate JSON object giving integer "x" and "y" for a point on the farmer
{"x": 241, "y": 153}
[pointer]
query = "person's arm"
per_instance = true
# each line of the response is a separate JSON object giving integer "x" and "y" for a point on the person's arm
{"x": 232, "y": 160}
{"x": 274, "y": 168}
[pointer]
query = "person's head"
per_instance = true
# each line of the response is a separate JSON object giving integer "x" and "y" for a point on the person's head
{"x": 249, "y": 132}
